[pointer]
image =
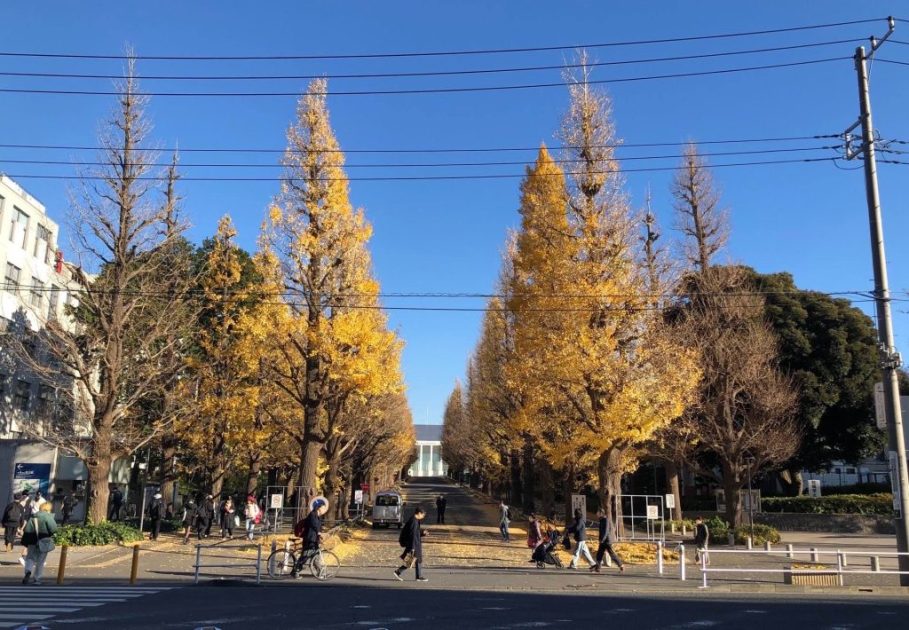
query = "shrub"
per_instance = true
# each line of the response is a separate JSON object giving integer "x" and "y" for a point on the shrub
{"x": 880, "y": 503}
{"x": 101, "y": 534}
{"x": 762, "y": 534}
{"x": 858, "y": 488}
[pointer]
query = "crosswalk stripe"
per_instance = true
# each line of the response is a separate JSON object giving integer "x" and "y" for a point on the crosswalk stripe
{"x": 22, "y": 604}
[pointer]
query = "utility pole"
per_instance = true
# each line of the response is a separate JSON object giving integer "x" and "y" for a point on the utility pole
{"x": 890, "y": 358}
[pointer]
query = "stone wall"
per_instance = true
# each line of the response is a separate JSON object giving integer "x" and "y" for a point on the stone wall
{"x": 835, "y": 523}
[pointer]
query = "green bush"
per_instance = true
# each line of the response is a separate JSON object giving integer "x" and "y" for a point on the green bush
{"x": 880, "y": 503}
{"x": 102, "y": 534}
{"x": 762, "y": 534}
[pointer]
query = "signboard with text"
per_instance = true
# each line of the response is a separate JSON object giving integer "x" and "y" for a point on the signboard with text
{"x": 29, "y": 478}
{"x": 358, "y": 497}
{"x": 579, "y": 502}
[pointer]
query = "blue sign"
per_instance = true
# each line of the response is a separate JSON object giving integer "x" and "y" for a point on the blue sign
{"x": 29, "y": 478}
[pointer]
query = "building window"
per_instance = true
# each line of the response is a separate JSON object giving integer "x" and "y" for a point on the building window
{"x": 22, "y": 394}
{"x": 42, "y": 235}
{"x": 19, "y": 219}
{"x": 46, "y": 398}
{"x": 37, "y": 291}
{"x": 12, "y": 277}
{"x": 53, "y": 302}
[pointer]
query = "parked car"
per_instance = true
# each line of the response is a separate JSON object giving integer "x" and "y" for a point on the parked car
{"x": 388, "y": 509}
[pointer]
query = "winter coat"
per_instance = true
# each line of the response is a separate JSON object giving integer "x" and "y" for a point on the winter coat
{"x": 503, "y": 514}
{"x": 12, "y": 515}
{"x": 311, "y": 530}
{"x": 606, "y": 531}
{"x": 46, "y": 528}
{"x": 116, "y": 497}
{"x": 156, "y": 509}
{"x": 579, "y": 529}
{"x": 411, "y": 538}
{"x": 701, "y": 535}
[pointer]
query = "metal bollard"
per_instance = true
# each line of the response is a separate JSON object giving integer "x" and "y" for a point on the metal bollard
{"x": 839, "y": 567}
{"x": 704, "y": 570}
{"x": 748, "y": 543}
{"x": 672, "y": 527}
{"x": 259, "y": 564}
{"x": 875, "y": 564}
{"x": 61, "y": 570}
{"x": 198, "y": 556}
{"x": 134, "y": 569}
{"x": 815, "y": 556}
{"x": 660, "y": 557}
{"x": 731, "y": 539}
{"x": 684, "y": 530}
{"x": 682, "y": 562}
{"x": 845, "y": 557}
{"x": 767, "y": 546}
{"x": 789, "y": 553}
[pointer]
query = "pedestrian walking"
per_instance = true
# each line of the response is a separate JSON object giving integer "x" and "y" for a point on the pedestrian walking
{"x": 253, "y": 515}
{"x": 12, "y": 520}
{"x": 155, "y": 512}
{"x": 38, "y": 538}
{"x": 606, "y": 542}
{"x": 189, "y": 519}
{"x": 504, "y": 520}
{"x": 579, "y": 529}
{"x": 116, "y": 502}
{"x": 534, "y": 532}
{"x": 228, "y": 512}
{"x": 441, "y": 504}
{"x": 212, "y": 514}
{"x": 701, "y": 540}
{"x": 411, "y": 539}
{"x": 68, "y": 503}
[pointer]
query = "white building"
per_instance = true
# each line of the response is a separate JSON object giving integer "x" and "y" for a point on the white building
{"x": 429, "y": 452}
{"x": 35, "y": 289}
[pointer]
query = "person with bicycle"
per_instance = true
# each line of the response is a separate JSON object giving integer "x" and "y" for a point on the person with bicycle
{"x": 310, "y": 530}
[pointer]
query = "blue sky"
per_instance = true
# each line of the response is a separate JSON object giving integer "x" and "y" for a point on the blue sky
{"x": 447, "y": 236}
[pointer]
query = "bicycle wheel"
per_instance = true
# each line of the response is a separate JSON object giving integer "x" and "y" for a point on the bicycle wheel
{"x": 324, "y": 565}
{"x": 281, "y": 564}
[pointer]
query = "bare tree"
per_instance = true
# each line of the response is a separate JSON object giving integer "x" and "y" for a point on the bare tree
{"x": 700, "y": 218}
{"x": 119, "y": 341}
{"x": 744, "y": 415}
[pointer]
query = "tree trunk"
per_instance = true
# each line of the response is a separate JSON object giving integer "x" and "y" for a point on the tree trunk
{"x": 568, "y": 490}
{"x": 528, "y": 485}
{"x": 168, "y": 465}
{"x": 309, "y": 463}
{"x": 547, "y": 489}
{"x": 732, "y": 485}
{"x": 791, "y": 481}
{"x": 252, "y": 477}
{"x": 98, "y": 479}
{"x": 516, "y": 487}
{"x": 609, "y": 474}
{"x": 672, "y": 482}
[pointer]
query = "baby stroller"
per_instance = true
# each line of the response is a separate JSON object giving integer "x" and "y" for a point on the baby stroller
{"x": 544, "y": 553}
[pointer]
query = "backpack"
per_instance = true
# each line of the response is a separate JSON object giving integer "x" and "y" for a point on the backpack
{"x": 508, "y": 513}
{"x": 300, "y": 528}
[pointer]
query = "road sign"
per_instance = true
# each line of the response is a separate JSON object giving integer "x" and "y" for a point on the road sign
{"x": 277, "y": 502}
{"x": 814, "y": 488}
{"x": 364, "y": 487}
{"x": 653, "y": 512}
{"x": 579, "y": 502}
{"x": 880, "y": 411}
{"x": 670, "y": 501}
{"x": 358, "y": 497}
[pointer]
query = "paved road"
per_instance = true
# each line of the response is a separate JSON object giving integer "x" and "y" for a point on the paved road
{"x": 411, "y": 607}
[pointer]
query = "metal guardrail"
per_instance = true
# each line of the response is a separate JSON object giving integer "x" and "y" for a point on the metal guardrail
{"x": 841, "y": 569}
{"x": 198, "y": 565}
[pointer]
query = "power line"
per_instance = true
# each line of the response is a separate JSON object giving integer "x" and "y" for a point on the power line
{"x": 617, "y": 145}
{"x": 422, "y": 177}
{"x": 892, "y": 61}
{"x": 419, "y": 165}
{"x": 435, "y": 73}
{"x": 443, "y": 53}
{"x": 445, "y": 90}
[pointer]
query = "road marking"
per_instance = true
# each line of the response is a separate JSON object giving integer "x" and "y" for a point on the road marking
{"x": 20, "y": 605}
{"x": 756, "y": 612}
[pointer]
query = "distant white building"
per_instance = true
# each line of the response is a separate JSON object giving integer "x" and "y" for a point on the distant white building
{"x": 429, "y": 452}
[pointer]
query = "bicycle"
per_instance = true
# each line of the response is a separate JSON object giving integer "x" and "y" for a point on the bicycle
{"x": 283, "y": 563}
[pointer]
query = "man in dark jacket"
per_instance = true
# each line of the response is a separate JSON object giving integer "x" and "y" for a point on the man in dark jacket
{"x": 67, "y": 506}
{"x": 606, "y": 541}
{"x": 441, "y": 504}
{"x": 411, "y": 539}
{"x": 701, "y": 540}
{"x": 310, "y": 529}
{"x": 12, "y": 518}
{"x": 116, "y": 502}
{"x": 155, "y": 512}
{"x": 579, "y": 529}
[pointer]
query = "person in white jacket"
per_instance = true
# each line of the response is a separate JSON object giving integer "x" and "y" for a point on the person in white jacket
{"x": 504, "y": 520}
{"x": 253, "y": 516}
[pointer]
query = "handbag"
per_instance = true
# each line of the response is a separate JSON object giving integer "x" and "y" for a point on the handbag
{"x": 46, "y": 545}
{"x": 236, "y": 520}
{"x": 408, "y": 559}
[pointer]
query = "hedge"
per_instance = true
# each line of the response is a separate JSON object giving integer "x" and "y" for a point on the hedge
{"x": 880, "y": 503}
{"x": 105, "y": 533}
